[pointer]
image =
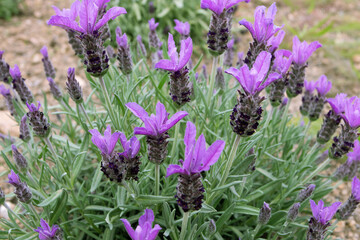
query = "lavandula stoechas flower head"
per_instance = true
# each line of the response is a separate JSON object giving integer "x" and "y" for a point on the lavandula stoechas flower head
{"x": 73, "y": 87}
{"x": 246, "y": 115}
{"x": 265, "y": 214}
{"x": 350, "y": 168}
{"x": 281, "y": 65}
{"x": 111, "y": 164}
{"x": 347, "y": 209}
{"x": 321, "y": 219}
{"x": 19, "y": 159}
{"x": 8, "y": 98}
{"x": 333, "y": 118}
{"x": 305, "y": 193}
{"x": 90, "y": 29}
{"x": 323, "y": 86}
{"x": 38, "y": 120}
{"x": 219, "y": 31}
{"x": 155, "y": 130}
{"x": 4, "y": 69}
{"x": 183, "y": 28}
{"x": 229, "y": 54}
{"x": 274, "y": 42}
{"x": 54, "y": 89}
{"x": 301, "y": 53}
{"x": 20, "y": 86}
{"x": 48, "y": 233}
{"x": 24, "y": 129}
{"x": 124, "y": 54}
{"x": 154, "y": 40}
{"x": 349, "y": 131}
{"x": 130, "y": 156}
{"x": 144, "y": 230}
{"x": 141, "y": 46}
{"x": 180, "y": 86}
{"x": 197, "y": 159}
{"x": 48, "y": 67}
{"x": 262, "y": 31}
{"x": 308, "y": 97}
{"x": 22, "y": 190}
{"x": 293, "y": 212}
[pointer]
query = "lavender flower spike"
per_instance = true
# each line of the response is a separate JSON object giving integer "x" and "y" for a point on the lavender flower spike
{"x": 281, "y": 65}
{"x": 8, "y": 98}
{"x": 38, "y": 121}
{"x": 156, "y": 127}
{"x": 350, "y": 168}
{"x": 180, "y": 86}
{"x": 48, "y": 67}
{"x": 4, "y": 69}
{"x": 24, "y": 129}
{"x": 124, "y": 54}
{"x": 320, "y": 221}
{"x": 48, "y": 233}
{"x": 144, "y": 230}
{"x": 90, "y": 31}
{"x": 323, "y": 86}
{"x": 141, "y": 46}
{"x": 350, "y": 205}
{"x": 245, "y": 117}
{"x": 308, "y": 97}
{"x": 129, "y": 156}
{"x": 219, "y": 31}
{"x": 197, "y": 159}
{"x": 332, "y": 118}
{"x": 20, "y": 86}
{"x": 262, "y": 30}
{"x": 265, "y": 214}
{"x": 73, "y": 87}
{"x": 154, "y": 40}
{"x": 301, "y": 52}
{"x": 183, "y": 28}
{"x": 112, "y": 165}
{"x": 229, "y": 54}
{"x": 54, "y": 89}
{"x": 19, "y": 159}
{"x": 274, "y": 42}
{"x": 22, "y": 190}
{"x": 349, "y": 133}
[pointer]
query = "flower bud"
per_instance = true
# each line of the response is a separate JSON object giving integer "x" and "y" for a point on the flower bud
{"x": 190, "y": 192}
{"x": 265, "y": 214}
{"x": 218, "y": 34}
{"x": 38, "y": 121}
{"x": 211, "y": 228}
{"x": 180, "y": 87}
{"x": 73, "y": 87}
{"x": 19, "y": 158}
{"x": 157, "y": 147}
{"x": 293, "y": 212}
{"x": 48, "y": 67}
{"x": 54, "y": 89}
{"x": 24, "y": 129}
{"x": 305, "y": 193}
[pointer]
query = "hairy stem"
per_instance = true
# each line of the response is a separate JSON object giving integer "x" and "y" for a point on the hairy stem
{"x": 184, "y": 225}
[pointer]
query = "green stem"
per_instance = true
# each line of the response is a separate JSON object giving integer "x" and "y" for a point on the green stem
{"x": 35, "y": 212}
{"x": 157, "y": 179}
{"x": 269, "y": 116}
{"x": 184, "y": 225}
{"x": 81, "y": 105}
{"x": 256, "y": 230}
{"x": 242, "y": 186}
{"x": 108, "y": 102}
{"x": 212, "y": 79}
{"x": 231, "y": 161}
{"x": 176, "y": 136}
{"x": 316, "y": 171}
{"x": 18, "y": 217}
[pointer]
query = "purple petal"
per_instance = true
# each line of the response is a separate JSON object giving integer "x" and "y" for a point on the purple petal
{"x": 123, "y": 140}
{"x": 88, "y": 13}
{"x": 261, "y": 65}
{"x": 173, "y": 120}
{"x": 128, "y": 228}
{"x": 154, "y": 232}
{"x": 198, "y": 155}
{"x": 98, "y": 140}
{"x": 231, "y": 3}
{"x": 249, "y": 26}
{"x": 112, "y": 142}
{"x": 112, "y": 13}
{"x": 189, "y": 138}
{"x": 147, "y": 217}
{"x": 271, "y": 78}
{"x": 185, "y": 53}
{"x": 15, "y": 72}
{"x": 166, "y": 65}
{"x": 137, "y": 110}
{"x": 172, "y": 51}
{"x": 314, "y": 209}
{"x": 13, "y": 178}
{"x": 141, "y": 131}
{"x": 172, "y": 169}
{"x": 44, "y": 51}
{"x": 135, "y": 146}
{"x": 3, "y": 90}
{"x": 161, "y": 114}
{"x": 355, "y": 188}
{"x": 212, "y": 154}
{"x": 65, "y": 23}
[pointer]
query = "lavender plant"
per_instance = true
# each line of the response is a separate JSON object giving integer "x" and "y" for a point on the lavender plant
{"x": 73, "y": 181}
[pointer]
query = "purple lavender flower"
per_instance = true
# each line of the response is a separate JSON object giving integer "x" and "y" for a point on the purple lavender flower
{"x": 274, "y": 42}
{"x": 106, "y": 143}
{"x": 48, "y": 67}
{"x": 308, "y": 97}
{"x": 347, "y": 209}
{"x": 229, "y": 54}
{"x": 20, "y": 86}
{"x": 19, "y": 159}
{"x": 156, "y": 127}
{"x": 144, "y": 230}
{"x": 355, "y": 189}
{"x": 142, "y": 47}
{"x": 301, "y": 53}
{"x": 152, "y": 24}
{"x": 305, "y": 193}
{"x": 90, "y": 30}
{"x": 352, "y": 113}
{"x": 354, "y": 155}
{"x": 320, "y": 221}
{"x": 14, "y": 178}
{"x": 54, "y": 89}
{"x": 218, "y": 6}
{"x": 24, "y": 129}
{"x": 219, "y": 28}
{"x": 350, "y": 168}
{"x": 73, "y": 87}
{"x": 265, "y": 214}
{"x": 281, "y": 65}
{"x": 48, "y": 233}
{"x": 22, "y": 190}
{"x": 153, "y": 37}
{"x": 333, "y": 117}
{"x": 129, "y": 156}
{"x": 183, "y": 28}
{"x": 124, "y": 54}
{"x": 8, "y": 98}
{"x": 180, "y": 86}
{"x": 245, "y": 117}
{"x": 38, "y": 120}
{"x": 197, "y": 159}
{"x": 323, "y": 86}
{"x": 4, "y": 69}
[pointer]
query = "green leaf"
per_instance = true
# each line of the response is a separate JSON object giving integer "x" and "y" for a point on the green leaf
{"x": 60, "y": 208}
{"x": 97, "y": 178}
{"x": 247, "y": 210}
{"x": 53, "y": 197}
{"x": 150, "y": 199}
{"x": 224, "y": 217}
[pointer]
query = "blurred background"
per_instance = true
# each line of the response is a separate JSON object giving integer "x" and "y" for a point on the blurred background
{"x": 335, "y": 23}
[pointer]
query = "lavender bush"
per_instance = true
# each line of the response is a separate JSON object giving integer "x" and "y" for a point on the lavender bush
{"x": 244, "y": 170}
